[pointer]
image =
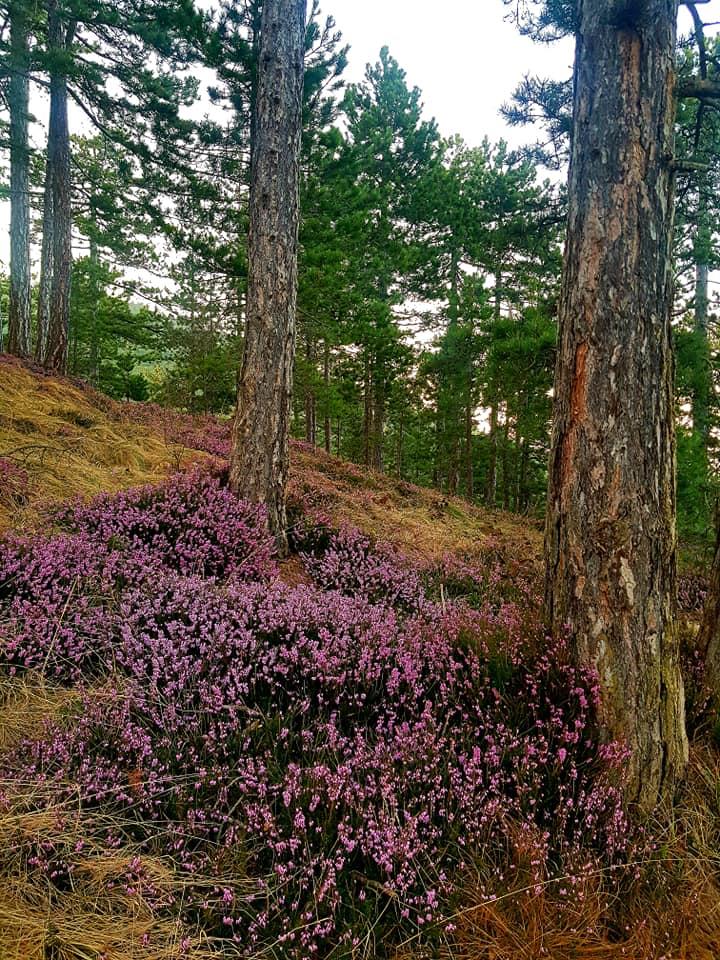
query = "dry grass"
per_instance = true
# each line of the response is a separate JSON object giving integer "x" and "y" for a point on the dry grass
{"x": 25, "y": 705}
{"x": 665, "y": 906}
{"x": 71, "y": 441}
{"x": 423, "y": 523}
{"x": 93, "y": 915}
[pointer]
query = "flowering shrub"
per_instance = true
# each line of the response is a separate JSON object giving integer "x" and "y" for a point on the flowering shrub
{"x": 692, "y": 589}
{"x": 350, "y": 741}
{"x": 192, "y": 524}
{"x": 345, "y": 560}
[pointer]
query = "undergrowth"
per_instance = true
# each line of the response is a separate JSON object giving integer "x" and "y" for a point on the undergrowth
{"x": 384, "y": 757}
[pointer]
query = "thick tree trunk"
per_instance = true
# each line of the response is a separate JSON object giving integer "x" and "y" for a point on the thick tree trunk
{"x": 259, "y": 461}
{"x": 61, "y": 187}
{"x": 610, "y": 537}
{"x": 18, "y": 102}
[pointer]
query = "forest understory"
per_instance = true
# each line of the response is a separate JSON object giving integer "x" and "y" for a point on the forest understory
{"x": 368, "y": 749}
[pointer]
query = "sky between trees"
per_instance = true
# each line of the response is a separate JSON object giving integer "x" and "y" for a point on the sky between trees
{"x": 465, "y": 56}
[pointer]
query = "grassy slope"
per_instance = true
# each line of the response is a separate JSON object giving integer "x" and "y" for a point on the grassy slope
{"x": 74, "y": 441}
{"x": 71, "y": 441}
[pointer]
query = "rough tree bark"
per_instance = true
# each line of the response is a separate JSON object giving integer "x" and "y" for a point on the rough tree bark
{"x": 259, "y": 460}
{"x": 46, "y": 251}
{"x": 610, "y": 536}
{"x": 60, "y": 38}
{"x": 18, "y": 95}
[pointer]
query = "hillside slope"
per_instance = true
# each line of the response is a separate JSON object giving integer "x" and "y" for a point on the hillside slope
{"x": 60, "y": 439}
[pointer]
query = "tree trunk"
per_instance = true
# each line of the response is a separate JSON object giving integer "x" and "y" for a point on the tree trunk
{"x": 45, "y": 285}
{"x": 491, "y": 484}
{"x": 378, "y": 420}
{"x": 95, "y": 332}
{"x": 469, "y": 476}
{"x": 400, "y": 447}
{"x": 61, "y": 188}
{"x": 18, "y": 102}
{"x": 505, "y": 459}
{"x": 259, "y": 461}
{"x": 326, "y": 382}
{"x": 610, "y": 536}
{"x": 702, "y": 390}
{"x": 310, "y": 399}
{"x": 367, "y": 412}
{"x": 708, "y": 639}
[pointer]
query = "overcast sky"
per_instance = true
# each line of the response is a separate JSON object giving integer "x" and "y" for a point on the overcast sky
{"x": 463, "y": 54}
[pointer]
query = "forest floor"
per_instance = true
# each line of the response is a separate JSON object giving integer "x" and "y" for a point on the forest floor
{"x": 368, "y": 750}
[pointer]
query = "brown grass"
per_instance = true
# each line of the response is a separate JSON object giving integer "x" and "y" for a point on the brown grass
{"x": 423, "y": 523}
{"x": 666, "y": 906}
{"x": 71, "y": 442}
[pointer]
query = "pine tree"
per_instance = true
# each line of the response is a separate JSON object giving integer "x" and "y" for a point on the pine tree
{"x": 61, "y": 34}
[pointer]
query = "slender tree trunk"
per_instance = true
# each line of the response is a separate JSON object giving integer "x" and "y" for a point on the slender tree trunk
{"x": 95, "y": 332}
{"x": 506, "y": 461}
{"x": 453, "y": 465}
{"x": 259, "y": 462}
{"x": 45, "y": 285}
{"x": 610, "y": 536}
{"x": 523, "y": 494}
{"x": 19, "y": 103}
{"x": 469, "y": 476}
{"x": 367, "y": 411}
{"x": 326, "y": 383}
{"x": 61, "y": 188}
{"x": 491, "y": 484}
{"x": 378, "y": 417}
{"x": 702, "y": 391}
{"x": 708, "y": 639}
{"x": 310, "y": 399}
{"x": 400, "y": 451}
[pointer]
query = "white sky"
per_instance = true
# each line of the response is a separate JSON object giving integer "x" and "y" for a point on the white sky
{"x": 465, "y": 55}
